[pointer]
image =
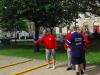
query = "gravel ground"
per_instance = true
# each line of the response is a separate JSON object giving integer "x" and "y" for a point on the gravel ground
{"x": 60, "y": 67}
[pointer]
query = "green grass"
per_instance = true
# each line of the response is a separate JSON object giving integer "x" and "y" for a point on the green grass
{"x": 25, "y": 49}
{"x": 93, "y": 54}
{"x": 21, "y": 49}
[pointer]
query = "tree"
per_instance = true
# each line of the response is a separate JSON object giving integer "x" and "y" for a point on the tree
{"x": 82, "y": 6}
{"x": 14, "y": 25}
{"x": 11, "y": 25}
{"x": 48, "y": 13}
{"x": 42, "y": 11}
{"x": 92, "y": 6}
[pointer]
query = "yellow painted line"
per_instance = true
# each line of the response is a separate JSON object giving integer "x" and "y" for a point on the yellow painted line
{"x": 30, "y": 69}
{"x": 15, "y": 63}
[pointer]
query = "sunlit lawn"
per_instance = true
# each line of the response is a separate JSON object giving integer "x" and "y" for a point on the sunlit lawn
{"x": 25, "y": 49}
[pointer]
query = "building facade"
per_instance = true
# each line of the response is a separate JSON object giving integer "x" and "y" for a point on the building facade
{"x": 88, "y": 21}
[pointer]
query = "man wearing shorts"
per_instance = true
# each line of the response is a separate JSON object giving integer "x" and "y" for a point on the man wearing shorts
{"x": 50, "y": 44}
{"x": 76, "y": 41}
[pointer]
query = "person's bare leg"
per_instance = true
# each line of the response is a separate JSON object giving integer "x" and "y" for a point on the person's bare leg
{"x": 81, "y": 66}
{"x": 81, "y": 69}
{"x": 53, "y": 60}
{"x": 77, "y": 66}
{"x": 48, "y": 61}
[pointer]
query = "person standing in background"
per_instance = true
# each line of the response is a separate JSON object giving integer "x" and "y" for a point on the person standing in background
{"x": 68, "y": 49}
{"x": 50, "y": 44}
{"x": 76, "y": 41}
{"x": 80, "y": 30}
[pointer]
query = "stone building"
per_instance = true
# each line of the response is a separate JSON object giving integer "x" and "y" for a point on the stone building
{"x": 88, "y": 21}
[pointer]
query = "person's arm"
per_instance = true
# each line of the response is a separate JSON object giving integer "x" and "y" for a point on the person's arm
{"x": 65, "y": 40}
{"x": 69, "y": 41}
{"x": 39, "y": 40}
{"x": 86, "y": 39}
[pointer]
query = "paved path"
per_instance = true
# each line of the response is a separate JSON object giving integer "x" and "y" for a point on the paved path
{"x": 60, "y": 67}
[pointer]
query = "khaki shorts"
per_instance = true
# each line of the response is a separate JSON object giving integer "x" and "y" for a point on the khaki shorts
{"x": 50, "y": 52}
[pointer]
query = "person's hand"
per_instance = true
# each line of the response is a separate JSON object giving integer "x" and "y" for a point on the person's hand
{"x": 65, "y": 48}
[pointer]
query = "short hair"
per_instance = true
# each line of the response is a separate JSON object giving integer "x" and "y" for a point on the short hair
{"x": 45, "y": 30}
{"x": 73, "y": 28}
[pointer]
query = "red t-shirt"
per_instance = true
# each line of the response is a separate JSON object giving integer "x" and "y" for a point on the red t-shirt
{"x": 48, "y": 40}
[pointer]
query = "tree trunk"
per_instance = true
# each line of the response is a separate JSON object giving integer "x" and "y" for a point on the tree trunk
{"x": 51, "y": 29}
{"x": 36, "y": 46}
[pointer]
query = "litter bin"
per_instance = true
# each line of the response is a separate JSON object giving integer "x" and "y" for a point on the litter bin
{"x": 5, "y": 41}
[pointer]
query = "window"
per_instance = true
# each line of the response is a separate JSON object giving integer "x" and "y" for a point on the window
{"x": 86, "y": 27}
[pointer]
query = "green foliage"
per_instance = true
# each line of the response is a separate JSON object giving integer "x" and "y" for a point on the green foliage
{"x": 49, "y": 13}
{"x": 81, "y": 6}
{"x": 12, "y": 25}
{"x": 54, "y": 32}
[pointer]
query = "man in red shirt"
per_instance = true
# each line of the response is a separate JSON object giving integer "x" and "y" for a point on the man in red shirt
{"x": 50, "y": 44}
{"x": 68, "y": 48}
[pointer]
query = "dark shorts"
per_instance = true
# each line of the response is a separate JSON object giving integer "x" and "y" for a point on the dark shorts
{"x": 78, "y": 60}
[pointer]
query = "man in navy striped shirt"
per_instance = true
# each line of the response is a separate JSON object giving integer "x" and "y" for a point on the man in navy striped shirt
{"x": 76, "y": 41}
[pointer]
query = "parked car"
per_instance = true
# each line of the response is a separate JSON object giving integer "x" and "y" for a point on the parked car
{"x": 91, "y": 36}
{"x": 94, "y": 36}
{"x": 40, "y": 35}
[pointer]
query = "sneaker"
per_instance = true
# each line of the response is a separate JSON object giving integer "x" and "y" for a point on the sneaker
{"x": 53, "y": 67}
{"x": 48, "y": 66}
{"x": 69, "y": 68}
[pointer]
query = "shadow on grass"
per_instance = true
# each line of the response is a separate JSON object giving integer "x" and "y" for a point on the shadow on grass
{"x": 17, "y": 45}
{"x": 29, "y": 45}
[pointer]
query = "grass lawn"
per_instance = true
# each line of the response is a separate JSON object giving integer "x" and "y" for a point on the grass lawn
{"x": 25, "y": 49}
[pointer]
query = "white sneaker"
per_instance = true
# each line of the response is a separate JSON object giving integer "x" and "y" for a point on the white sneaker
{"x": 53, "y": 67}
{"x": 48, "y": 66}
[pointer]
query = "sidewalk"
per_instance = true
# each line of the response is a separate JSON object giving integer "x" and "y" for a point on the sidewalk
{"x": 60, "y": 67}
